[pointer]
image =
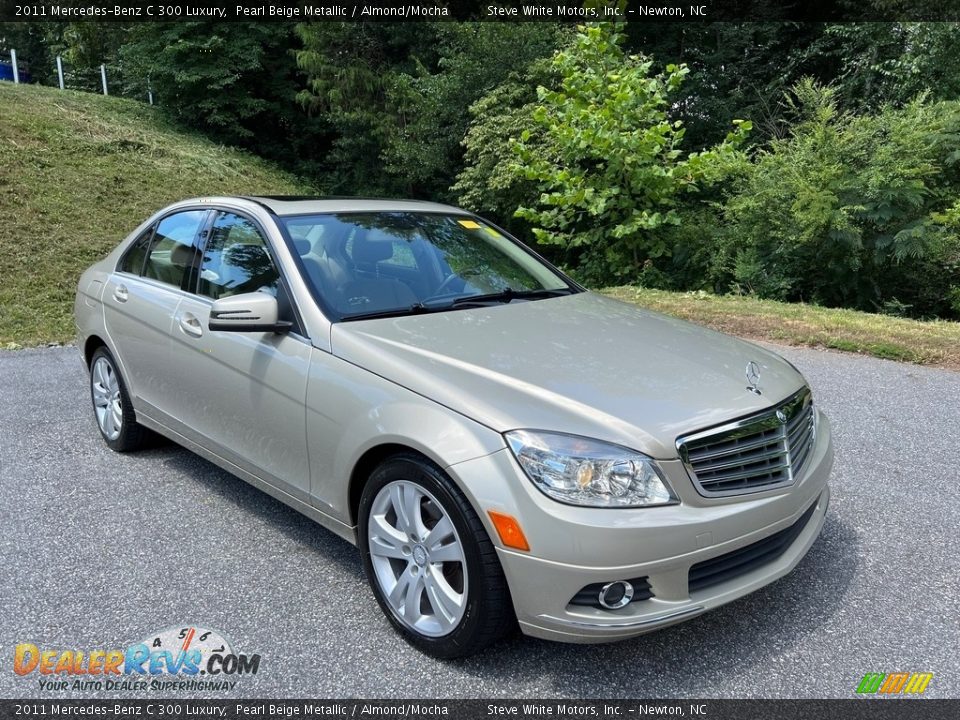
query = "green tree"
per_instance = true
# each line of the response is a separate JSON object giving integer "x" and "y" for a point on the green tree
{"x": 202, "y": 72}
{"x": 892, "y": 63}
{"x": 236, "y": 82}
{"x": 743, "y": 69}
{"x": 432, "y": 104}
{"x": 736, "y": 70}
{"x": 351, "y": 69}
{"x": 852, "y": 210}
{"x": 83, "y": 47}
{"x": 87, "y": 45}
{"x": 34, "y": 43}
{"x": 396, "y": 95}
{"x": 488, "y": 183}
{"x": 609, "y": 164}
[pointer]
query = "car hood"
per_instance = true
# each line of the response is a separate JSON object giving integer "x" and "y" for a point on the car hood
{"x": 582, "y": 364}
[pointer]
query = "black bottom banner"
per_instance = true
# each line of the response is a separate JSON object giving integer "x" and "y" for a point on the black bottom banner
{"x": 894, "y": 709}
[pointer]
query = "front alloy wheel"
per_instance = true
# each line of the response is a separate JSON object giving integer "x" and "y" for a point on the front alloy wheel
{"x": 417, "y": 558}
{"x": 429, "y": 560}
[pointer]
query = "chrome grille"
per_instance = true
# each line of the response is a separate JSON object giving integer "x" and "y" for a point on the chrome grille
{"x": 761, "y": 452}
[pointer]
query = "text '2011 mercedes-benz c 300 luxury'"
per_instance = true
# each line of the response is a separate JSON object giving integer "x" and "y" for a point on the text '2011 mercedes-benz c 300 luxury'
{"x": 503, "y": 446}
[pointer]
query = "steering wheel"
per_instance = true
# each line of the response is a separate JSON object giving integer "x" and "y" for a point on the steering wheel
{"x": 448, "y": 281}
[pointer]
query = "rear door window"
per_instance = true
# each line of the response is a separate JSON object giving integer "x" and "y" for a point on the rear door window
{"x": 175, "y": 254}
{"x": 132, "y": 261}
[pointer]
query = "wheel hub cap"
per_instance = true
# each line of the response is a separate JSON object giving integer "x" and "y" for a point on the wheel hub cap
{"x": 417, "y": 557}
{"x": 420, "y": 555}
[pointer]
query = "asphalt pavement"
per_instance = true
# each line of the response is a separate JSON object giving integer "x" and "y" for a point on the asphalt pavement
{"x": 99, "y": 550}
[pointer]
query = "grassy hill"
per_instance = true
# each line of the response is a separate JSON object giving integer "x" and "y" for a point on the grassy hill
{"x": 930, "y": 342}
{"x": 77, "y": 173}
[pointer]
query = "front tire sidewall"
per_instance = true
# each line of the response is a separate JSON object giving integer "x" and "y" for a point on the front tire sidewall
{"x": 464, "y": 638}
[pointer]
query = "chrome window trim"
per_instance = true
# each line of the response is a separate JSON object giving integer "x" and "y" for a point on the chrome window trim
{"x": 749, "y": 425}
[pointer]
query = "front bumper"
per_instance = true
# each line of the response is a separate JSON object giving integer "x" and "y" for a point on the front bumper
{"x": 571, "y": 547}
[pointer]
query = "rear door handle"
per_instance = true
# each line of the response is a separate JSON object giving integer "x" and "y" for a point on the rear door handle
{"x": 120, "y": 293}
{"x": 190, "y": 324}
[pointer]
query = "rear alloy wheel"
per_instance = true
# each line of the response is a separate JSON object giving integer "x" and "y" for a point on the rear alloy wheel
{"x": 429, "y": 560}
{"x": 112, "y": 406}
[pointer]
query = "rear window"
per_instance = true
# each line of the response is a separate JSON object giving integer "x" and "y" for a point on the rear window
{"x": 174, "y": 254}
{"x": 133, "y": 259}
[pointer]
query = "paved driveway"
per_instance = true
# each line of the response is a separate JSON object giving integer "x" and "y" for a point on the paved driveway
{"x": 100, "y": 550}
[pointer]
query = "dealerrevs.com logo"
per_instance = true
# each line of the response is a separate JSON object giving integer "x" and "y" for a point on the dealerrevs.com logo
{"x": 179, "y": 658}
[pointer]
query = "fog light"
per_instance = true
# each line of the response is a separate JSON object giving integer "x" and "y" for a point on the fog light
{"x": 616, "y": 594}
{"x": 589, "y": 595}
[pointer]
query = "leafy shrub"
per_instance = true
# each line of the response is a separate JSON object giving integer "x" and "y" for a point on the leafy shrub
{"x": 851, "y": 211}
{"x": 606, "y": 158}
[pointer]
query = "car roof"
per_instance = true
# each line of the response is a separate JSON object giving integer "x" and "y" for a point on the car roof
{"x": 306, "y": 205}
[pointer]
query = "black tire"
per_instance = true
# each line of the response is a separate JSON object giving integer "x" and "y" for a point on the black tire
{"x": 488, "y": 615}
{"x": 132, "y": 435}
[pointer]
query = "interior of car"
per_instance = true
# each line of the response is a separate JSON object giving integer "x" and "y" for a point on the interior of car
{"x": 353, "y": 269}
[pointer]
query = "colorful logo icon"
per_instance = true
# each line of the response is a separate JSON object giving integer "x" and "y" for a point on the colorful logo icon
{"x": 894, "y": 683}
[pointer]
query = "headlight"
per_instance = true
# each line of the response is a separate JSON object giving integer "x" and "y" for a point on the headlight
{"x": 580, "y": 471}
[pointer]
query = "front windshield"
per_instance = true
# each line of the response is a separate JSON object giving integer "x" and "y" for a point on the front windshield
{"x": 392, "y": 263}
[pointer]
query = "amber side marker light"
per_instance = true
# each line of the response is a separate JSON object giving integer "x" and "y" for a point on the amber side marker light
{"x": 509, "y": 530}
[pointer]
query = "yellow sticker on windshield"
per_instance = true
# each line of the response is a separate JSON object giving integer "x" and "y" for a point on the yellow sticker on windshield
{"x": 469, "y": 224}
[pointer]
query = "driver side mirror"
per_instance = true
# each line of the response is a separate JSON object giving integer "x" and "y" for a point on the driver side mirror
{"x": 247, "y": 312}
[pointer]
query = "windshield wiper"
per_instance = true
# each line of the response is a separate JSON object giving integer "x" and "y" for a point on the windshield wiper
{"x": 415, "y": 309}
{"x": 502, "y": 297}
{"x": 508, "y": 295}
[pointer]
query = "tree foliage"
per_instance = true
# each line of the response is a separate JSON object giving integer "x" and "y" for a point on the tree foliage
{"x": 237, "y": 82}
{"x": 851, "y": 210}
{"x": 614, "y": 141}
{"x": 83, "y": 47}
{"x": 608, "y": 162}
{"x": 877, "y": 64}
{"x": 489, "y": 182}
{"x": 350, "y": 69}
{"x": 432, "y": 103}
{"x": 398, "y": 95}
{"x": 201, "y": 71}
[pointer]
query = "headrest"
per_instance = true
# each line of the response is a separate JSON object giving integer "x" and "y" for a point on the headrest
{"x": 371, "y": 247}
{"x": 183, "y": 255}
{"x": 302, "y": 247}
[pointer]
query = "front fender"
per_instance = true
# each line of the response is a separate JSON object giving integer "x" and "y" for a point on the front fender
{"x": 351, "y": 411}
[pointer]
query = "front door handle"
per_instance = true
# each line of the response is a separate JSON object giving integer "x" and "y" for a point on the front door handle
{"x": 190, "y": 324}
{"x": 120, "y": 293}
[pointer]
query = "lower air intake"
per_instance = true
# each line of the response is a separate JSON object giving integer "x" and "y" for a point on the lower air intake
{"x": 739, "y": 562}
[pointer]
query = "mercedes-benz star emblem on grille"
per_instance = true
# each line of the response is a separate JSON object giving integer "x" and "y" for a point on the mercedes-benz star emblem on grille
{"x": 782, "y": 417}
{"x": 753, "y": 377}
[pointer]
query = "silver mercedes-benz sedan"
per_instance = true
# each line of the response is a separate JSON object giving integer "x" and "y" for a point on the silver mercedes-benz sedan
{"x": 504, "y": 446}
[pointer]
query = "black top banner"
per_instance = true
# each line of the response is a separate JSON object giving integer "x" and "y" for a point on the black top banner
{"x": 460, "y": 10}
